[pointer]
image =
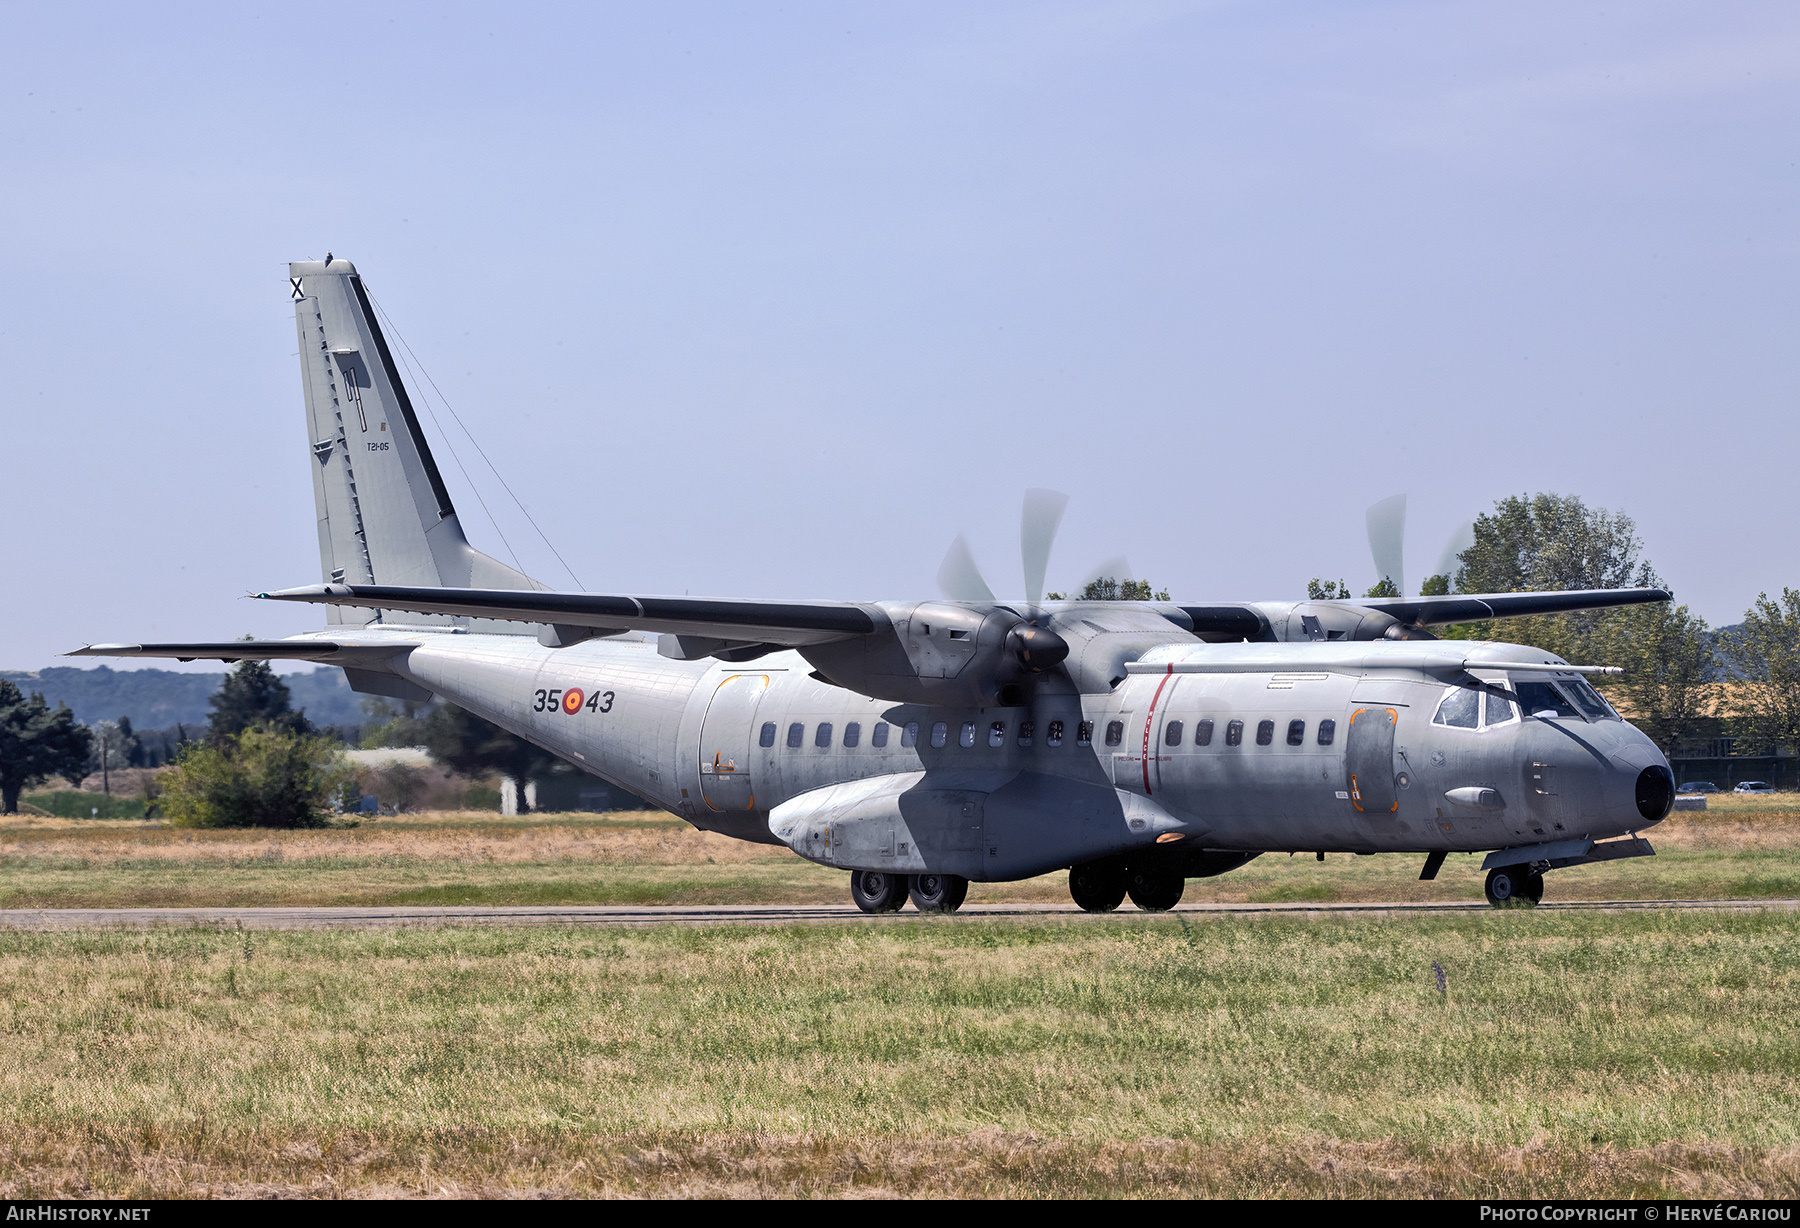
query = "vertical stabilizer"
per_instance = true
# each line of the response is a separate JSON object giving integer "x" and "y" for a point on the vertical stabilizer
{"x": 384, "y": 514}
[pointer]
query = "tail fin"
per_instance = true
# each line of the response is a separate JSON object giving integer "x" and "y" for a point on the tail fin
{"x": 384, "y": 514}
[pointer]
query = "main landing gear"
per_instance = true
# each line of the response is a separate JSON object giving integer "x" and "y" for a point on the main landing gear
{"x": 1514, "y": 887}
{"x": 879, "y": 891}
{"x": 1100, "y": 887}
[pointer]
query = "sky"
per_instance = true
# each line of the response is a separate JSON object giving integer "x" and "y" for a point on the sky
{"x": 773, "y": 300}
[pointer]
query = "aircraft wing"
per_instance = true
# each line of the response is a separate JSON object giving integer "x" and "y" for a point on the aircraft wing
{"x": 1473, "y": 607}
{"x": 329, "y": 652}
{"x": 790, "y": 624}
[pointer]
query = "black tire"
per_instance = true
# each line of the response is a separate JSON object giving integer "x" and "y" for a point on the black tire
{"x": 1155, "y": 890}
{"x": 1097, "y": 888}
{"x": 938, "y": 892}
{"x": 1511, "y": 887}
{"x": 877, "y": 890}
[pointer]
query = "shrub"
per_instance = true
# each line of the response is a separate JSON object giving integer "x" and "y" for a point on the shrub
{"x": 263, "y": 777}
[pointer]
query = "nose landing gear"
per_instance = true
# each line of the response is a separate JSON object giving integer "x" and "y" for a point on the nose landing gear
{"x": 1514, "y": 887}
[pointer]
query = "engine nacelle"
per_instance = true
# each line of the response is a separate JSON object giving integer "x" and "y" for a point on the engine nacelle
{"x": 944, "y": 653}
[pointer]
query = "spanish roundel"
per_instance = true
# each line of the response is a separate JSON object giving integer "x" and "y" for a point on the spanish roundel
{"x": 572, "y": 700}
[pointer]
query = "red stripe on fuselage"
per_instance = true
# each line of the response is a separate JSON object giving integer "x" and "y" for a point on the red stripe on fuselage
{"x": 1150, "y": 719}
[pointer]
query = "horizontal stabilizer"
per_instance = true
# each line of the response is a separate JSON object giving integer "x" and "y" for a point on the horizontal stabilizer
{"x": 788, "y": 623}
{"x": 327, "y": 651}
{"x": 1474, "y": 607}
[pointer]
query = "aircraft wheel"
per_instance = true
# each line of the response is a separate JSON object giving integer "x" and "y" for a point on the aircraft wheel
{"x": 1155, "y": 891}
{"x": 1097, "y": 888}
{"x": 1533, "y": 890}
{"x": 1514, "y": 887}
{"x": 877, "y": 890}
{"x": 938, "y": 892}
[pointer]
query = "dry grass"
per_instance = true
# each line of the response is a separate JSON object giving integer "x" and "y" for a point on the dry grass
{"x": 1740, "y": 848}
{"x": 1571, "y": 1055}
{"x": 986, "y": 1163}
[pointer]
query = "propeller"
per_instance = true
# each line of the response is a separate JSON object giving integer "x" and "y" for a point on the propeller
{"x": 959, "y": 576}
{"x": 1386, "y": 522}
{"x": 1039, "y": 519}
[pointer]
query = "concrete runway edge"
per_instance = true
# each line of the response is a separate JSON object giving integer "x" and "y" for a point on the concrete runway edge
{"x": 741, "y": 914}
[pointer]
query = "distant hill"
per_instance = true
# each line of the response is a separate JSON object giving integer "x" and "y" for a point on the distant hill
{"x": 160, "y": 698}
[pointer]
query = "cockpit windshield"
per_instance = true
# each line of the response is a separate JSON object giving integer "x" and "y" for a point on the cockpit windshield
{"x": 1544, "y": 699}
{"x": 1564, "y": 697}
{"x": 1589, "y": 700}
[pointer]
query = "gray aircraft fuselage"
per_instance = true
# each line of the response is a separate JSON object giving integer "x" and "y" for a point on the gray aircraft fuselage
{"x": 1070, "y": 777}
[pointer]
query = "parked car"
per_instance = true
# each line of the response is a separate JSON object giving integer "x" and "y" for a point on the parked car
{"x": 1697, "y": 786}
{"x": 1755, "y": 786}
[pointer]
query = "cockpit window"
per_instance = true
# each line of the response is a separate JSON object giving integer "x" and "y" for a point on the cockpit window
{"x": 1461, "y": 709}
{"x": 1588, "y": 700}
{"x": 1543, "y": 699}
{"x": 1499, "y": 709}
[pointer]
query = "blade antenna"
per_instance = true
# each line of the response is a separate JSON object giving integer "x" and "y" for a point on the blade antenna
{"x": 1039, "y": 519}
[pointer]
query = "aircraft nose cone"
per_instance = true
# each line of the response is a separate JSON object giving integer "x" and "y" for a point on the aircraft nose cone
{"x": 1653, "y": 784}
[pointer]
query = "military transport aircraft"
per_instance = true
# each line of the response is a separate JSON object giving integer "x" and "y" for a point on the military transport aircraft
{"x": 922, "y": 745}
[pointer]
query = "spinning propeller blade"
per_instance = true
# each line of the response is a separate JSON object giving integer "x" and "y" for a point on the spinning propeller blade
{"x": 1038, "y": 521}
{"x": 959, "y": 578}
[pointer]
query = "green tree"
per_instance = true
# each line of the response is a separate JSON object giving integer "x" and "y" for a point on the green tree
{"x": 1765, "y": 654}
{"x": 1106, "y": 588}
{"x": 1384, "y": 588}
{"x": 1326, "y": 590}
{"x": 1435, "y": 586}
{"x": 252, "y": 694}
{"x": 37, "y": 743}
{"x": 263, "y": 777}
{"x": 474, "y": 747}
{"x": 1668, "y": 660}
{"x": 1548, "y": 542}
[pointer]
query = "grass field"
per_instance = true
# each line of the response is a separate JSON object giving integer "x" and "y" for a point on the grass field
{"x": 1566, "y": 1054}
{"x": 1741, "y": 848}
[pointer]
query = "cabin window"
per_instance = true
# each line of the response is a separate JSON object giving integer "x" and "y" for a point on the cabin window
{"x": 1115, "y": 732}
{"x": 967, "y": 737}
{"x": 852, "y": 734}
{"x": 880, "y": 736}
{"x": 1026, "y": 729}
{"x": 796, "y": 734}
{"x": 1499, "y": 710}
{"x": 1084, "y": 733}
{"x": 1265, "y": 732}
{"x": 1461, "y": 709}
{"x": 1053, "y": 736}
{"x": 1172, "y": 733}
{"x": 909, "y": 735}
{"x": 768, "y": 733}
{"x": 1327, "y": 732}
{"x": 1234, "y": 734}
{"x": 940, "y": 734}
{"x": 1203, "y": 732}
{"x": 822, "y": 736}
{"x": 1296, "y": 733}
{"x": 997, "y": 734}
